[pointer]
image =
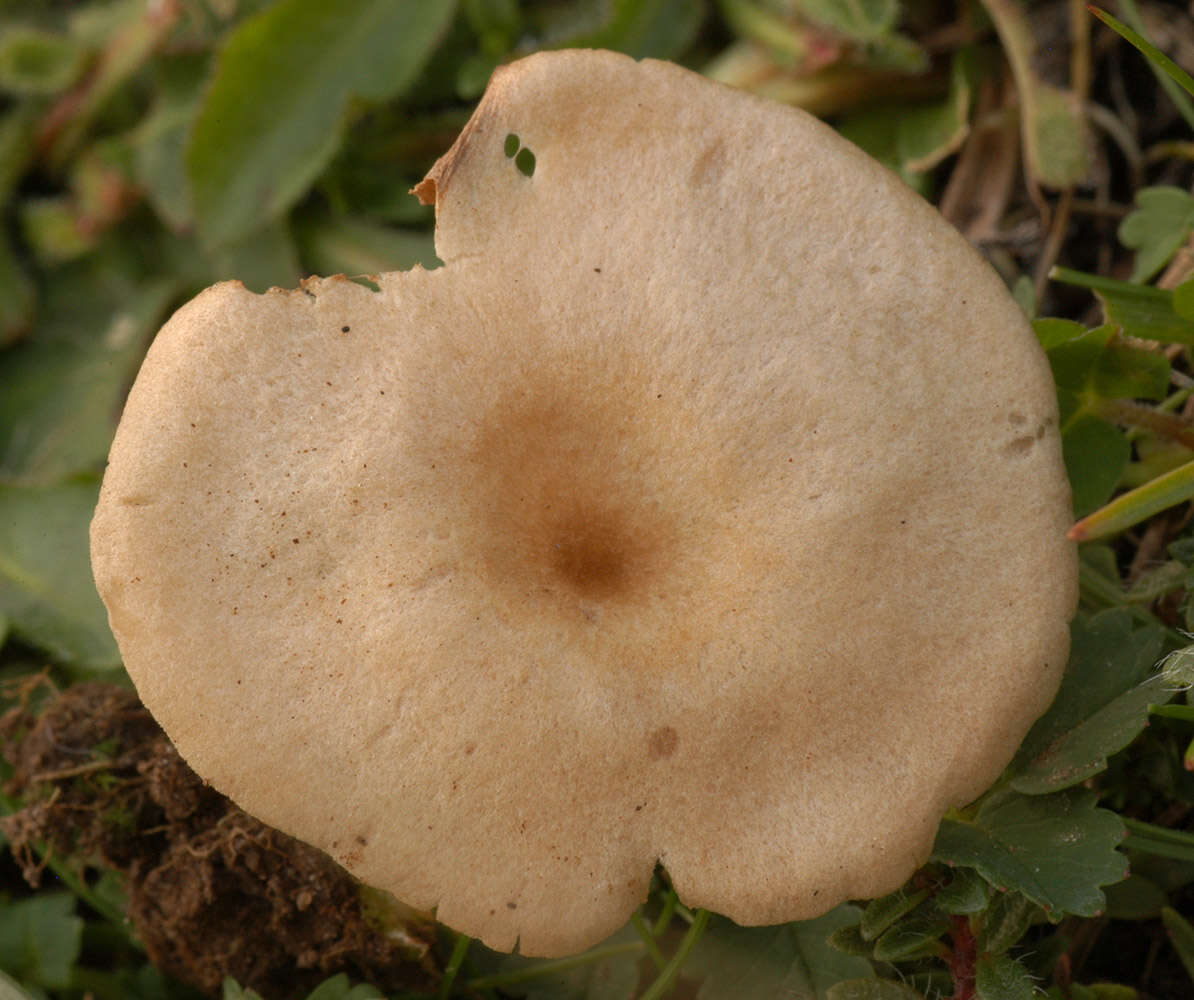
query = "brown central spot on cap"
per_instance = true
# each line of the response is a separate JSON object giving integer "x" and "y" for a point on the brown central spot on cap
{"x": 662, "y": 743}
{"x": 567, "y": 510}
{"x": 591, "y": 553}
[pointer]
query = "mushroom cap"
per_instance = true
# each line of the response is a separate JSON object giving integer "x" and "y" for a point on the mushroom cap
{"x": 706, "y": 507}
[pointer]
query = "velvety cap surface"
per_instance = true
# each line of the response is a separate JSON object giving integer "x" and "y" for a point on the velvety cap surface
{"x": 707, "y": 506}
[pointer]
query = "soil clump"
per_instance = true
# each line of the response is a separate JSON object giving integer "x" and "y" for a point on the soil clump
{"x": 211, "y": 892}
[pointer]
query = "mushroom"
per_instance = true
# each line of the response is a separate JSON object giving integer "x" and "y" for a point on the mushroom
{"x": 705, "y": 508}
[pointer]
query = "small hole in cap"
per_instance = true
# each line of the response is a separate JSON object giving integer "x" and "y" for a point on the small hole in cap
{"x": 525, "y": 161}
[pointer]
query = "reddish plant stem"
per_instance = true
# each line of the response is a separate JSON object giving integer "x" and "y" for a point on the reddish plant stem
{"x": 963, "y": 959}
{"x": 1168, "y": 425}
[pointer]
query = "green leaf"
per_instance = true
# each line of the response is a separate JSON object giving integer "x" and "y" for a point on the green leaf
{"x": 1097, "y": 363}
{"x": 46, "y": 588}
{"x": 850, "y": 941}
{"x": 160, "y": 147}
{"x": 1091, "y": 367}
{"x": 1101, "y": 707}
{"x": 786, "y": 960}
{"x": 17, "y": 300}
{"x": 1141, "y": 310}
{"x": 825, "y": 964}
{"x": 496, "y": 23}
{"x": 916, "y": 936}
{"x": 51, "y": 227}
{"x": 234, "y": 991}
{"x": 40, "y": 939}
{"x": 266, "y": 258}
{"x": 33, "y": 61}
{"x": 1096, "y": 455}
{"x": 129, "y": 35}
{"x": 1181, "y": 936}
{"x": 1024, "y": 292}
{"x": 766, "y": 37}
{"x": 275, "y": 112}
{"x": 860, "y": 20}
{"x": 160, "y": 140}
{"x": 872, "y": 989}
{"x": 1183, "y": 299}
{"x": 1057, "y": 850}
{"x": 1052, "y": 332}
{"x": 1156, "y": 581}
{"x": 1098, "y": 570}
{"x": 1112, "y": 991}
{"x": 656, "y": 29}
{"x": 373, "y": 175}
{"x": 339, "y": 988}
{"x": 1170, "y": 874}
{"x": 933, "y": 133}
{"x": 1178, "y": 667}
{"x": 1056, "y": 139}
{"x": 1135, "y": 898}
{"x": 1052, "y": 123}
{"x": 1073, "y": 351}
{"x": 1125, "y": 371}
{"x": 998, "y": 977}
{"x": 1006, "y": 921}
{"x": 914, "y": 139}
{"x": 733, "y": 961}
{"x": 345, "y": 245}
{"x": 881, "y": 913}
{"x": 17, "y": 146}
{"x": 896, "y": 52}
{"x": 60, "y": 394}
{"x": 1161, "y": 223}
{"x": 966, "y": 894}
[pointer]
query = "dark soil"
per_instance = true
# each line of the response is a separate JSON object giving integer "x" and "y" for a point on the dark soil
{"x": 211, "y": 891}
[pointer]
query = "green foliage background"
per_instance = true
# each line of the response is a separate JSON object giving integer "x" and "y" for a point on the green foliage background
{"x": 148, "y": 149}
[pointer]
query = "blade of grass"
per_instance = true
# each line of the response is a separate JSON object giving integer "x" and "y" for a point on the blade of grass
{"x": 671, "y": 901}
{"x": 1166, "y": 834}
{"x": 644, "y": 932}
{"x": 667, "y": 977}
{"x": 1148, "y": 838}
{"x": 1167, "y": 71}
{"x": 1136, "y": 505}
{"x": 1181, "y": 936}
{"x": 1183, "y": 712}
{"x": 452, "y": 969}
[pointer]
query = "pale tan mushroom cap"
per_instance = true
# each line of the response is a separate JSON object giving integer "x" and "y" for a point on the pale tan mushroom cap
{"x": 707, "y": 506}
